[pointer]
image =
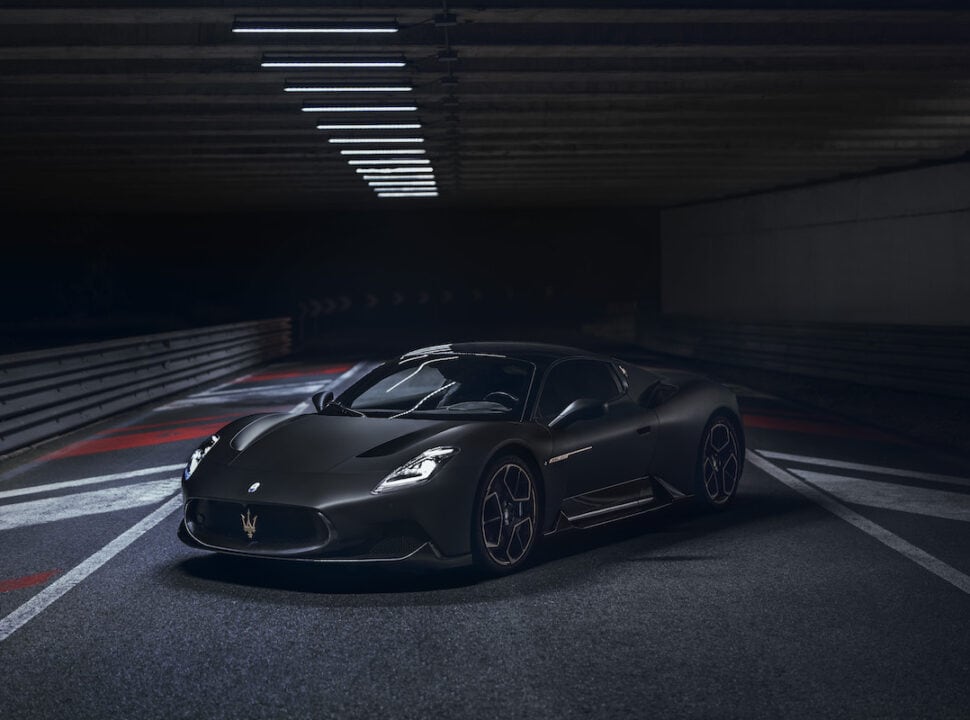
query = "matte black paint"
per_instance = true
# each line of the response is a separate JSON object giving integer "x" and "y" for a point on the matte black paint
{"x": 331, "y": 464}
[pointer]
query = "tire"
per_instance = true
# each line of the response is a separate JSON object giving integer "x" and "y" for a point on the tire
{"x": 506, "y": 519}
{"x": 720, "y": 462}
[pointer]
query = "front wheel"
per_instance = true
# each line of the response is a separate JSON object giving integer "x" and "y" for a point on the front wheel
{"x": 505, "y": 521}
{"x": 719, "y": 462}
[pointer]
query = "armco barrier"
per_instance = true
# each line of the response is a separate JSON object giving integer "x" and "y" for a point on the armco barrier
{"x": 48, "y": 392}
{"x": 923, "y": 359}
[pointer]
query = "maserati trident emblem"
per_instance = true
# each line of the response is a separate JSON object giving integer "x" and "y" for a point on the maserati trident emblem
{"x": 254, "y": 487}
{"x": 249, "y": 524}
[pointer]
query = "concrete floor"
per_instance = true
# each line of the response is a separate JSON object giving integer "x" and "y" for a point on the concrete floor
{"x": 837, "y": 585}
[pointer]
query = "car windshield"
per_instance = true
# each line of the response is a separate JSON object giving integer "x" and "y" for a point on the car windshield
{"x": 443, "y": 385}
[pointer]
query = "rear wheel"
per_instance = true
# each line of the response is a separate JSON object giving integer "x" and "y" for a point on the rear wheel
{"x": 719, "y": 463}
{"x": 505, "y": 521}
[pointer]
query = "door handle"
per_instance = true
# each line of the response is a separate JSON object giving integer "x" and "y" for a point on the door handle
{"x": 644, "y": 430}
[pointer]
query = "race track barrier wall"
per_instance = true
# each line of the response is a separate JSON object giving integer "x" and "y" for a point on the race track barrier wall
{"x": 45, "y": 393}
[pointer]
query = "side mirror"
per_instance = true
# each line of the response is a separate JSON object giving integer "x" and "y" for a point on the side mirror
{"x": 321, "y": 400}
{"x": 582, "y": 409}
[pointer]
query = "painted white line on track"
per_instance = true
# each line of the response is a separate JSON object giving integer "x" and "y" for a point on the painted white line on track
{"x": 843, "y": 465}
{"x": 878, "y": 532}
{"x": 95, "y": 502}
{"x": 42, "y": 600}
{"x": 353, "y": 372}
{"x": 34, "y": 490}
{"x": 227, "y": 383}
{"x": 254, "y": 394}
{"x": 887, "y": 496}
{"x": 188, "y": 403}
{"x": 287, "y": 389}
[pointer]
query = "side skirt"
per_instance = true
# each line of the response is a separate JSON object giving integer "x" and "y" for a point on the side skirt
{"x": 629, "y": 500}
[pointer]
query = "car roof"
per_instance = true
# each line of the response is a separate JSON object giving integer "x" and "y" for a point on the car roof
{"x": 540, "y": 353}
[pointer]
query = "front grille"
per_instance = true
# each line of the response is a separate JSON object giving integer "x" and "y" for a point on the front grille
{"x": 276, "y": 529}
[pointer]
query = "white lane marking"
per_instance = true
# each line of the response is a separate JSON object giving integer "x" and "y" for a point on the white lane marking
{"x": 342, "y": 378}
{"x": 95, "y": 502}
{"x": 42, "y": 600}
{"x": 88, "y": 481}
{"x": 886, "y": 495}
{"x": 281, "y": 389}
{"x": 216, "y": 394}
{"x": 878, "y": 532}
{"x": 192, "y": 403}
{"x": 254, "y": 393}
{"x": 882, "y": 470}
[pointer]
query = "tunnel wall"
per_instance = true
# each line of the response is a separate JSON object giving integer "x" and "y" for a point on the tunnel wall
{"x": 74, "y": 278}
{"x": 887, "y": 249}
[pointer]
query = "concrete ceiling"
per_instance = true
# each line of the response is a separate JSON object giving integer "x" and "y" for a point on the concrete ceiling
{"x": 159, "y": 105}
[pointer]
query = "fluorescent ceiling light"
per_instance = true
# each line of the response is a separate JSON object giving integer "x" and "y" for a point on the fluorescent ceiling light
{"x": 429, "y": 176}
{"x": 394, "y": 170}
{"x": 359, "y": 108}
{"x": 399, "y": 151}
{"x": 406, "y": 194}
{"x": 310, "y": 25}
{"x": 348, "y": 141}
{"x": 377, "y": 162}
{"x": 376, "y": 126}
{"x": 332, "y": 63}
{"x": 313, "y": 30}
{"x": 347, "y": 88}
{"x": 401, "y": 183}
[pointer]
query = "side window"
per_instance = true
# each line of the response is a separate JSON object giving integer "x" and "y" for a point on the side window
{"x": 574, "y": 379}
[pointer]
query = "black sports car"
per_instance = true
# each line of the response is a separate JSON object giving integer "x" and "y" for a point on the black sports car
{"x": 461, "y": 453}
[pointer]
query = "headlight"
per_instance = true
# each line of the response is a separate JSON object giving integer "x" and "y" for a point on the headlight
{"x": 416, "y": 471}
{"x": 200, "y": 452}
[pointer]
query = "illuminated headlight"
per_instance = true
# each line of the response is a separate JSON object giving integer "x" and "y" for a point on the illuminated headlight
{"x": 200, "y": 452}
{"x": 417, "y": 470}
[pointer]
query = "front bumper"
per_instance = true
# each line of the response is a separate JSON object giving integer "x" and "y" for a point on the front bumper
{"x": 424, "y": 554}
{"x": 329, "y": 517}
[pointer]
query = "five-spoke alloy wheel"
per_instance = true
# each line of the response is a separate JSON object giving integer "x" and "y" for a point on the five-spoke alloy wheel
{"x": 720, "y": 463}
{"x": 506, "y": 522}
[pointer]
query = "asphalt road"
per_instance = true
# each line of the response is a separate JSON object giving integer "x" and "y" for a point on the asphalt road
{"x": 838, "y": 585}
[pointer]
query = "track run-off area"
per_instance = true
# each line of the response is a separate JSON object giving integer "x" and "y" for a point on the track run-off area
{"x": 837, "y": 585}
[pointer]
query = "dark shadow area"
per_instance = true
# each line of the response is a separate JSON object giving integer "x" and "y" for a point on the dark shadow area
{"x": 899, "y": 416}
{"x": 85, "y": 278}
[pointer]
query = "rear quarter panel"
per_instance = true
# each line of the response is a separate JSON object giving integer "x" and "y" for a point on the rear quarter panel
{"x": 681, "y": 422}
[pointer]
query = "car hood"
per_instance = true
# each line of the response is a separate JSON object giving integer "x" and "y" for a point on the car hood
{"x": 319, "y": 443}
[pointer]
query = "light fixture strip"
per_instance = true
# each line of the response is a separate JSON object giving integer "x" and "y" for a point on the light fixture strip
{"x": 347, "y": 88}
{"x": 379, "y": 162}
{"x": 332, "y": 64}
{"x": 311, "y": 25}
{"x": 358, "y": 141}
{"x": 393, "y": 170}
{"x": 429, "y": 176}
{"x": 359, "y": 108}
{"x": 384, "y": 151}
{"x": 403, "y": 195}
{"x": 375, "y": 126}
{"x": 401, "y": 183}
{"x": 297, "y": 30}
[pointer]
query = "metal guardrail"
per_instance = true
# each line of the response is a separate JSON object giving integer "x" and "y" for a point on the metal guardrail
{"x": 49, "y": 392}
{"x": 934, "y": 360}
